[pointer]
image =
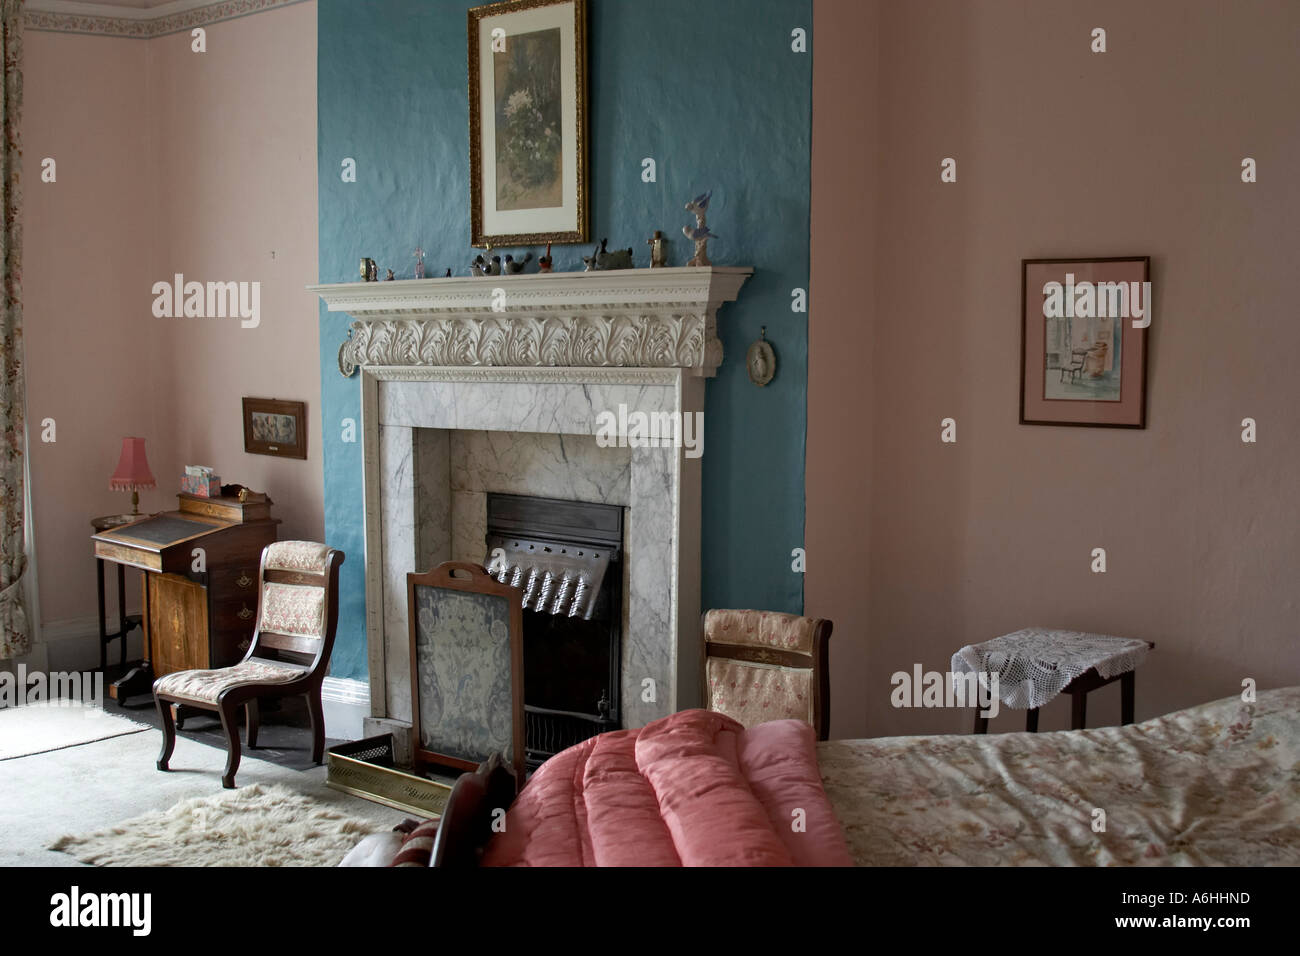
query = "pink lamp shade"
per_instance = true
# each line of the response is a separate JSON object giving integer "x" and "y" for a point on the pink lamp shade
{"x": 132, "y": 468}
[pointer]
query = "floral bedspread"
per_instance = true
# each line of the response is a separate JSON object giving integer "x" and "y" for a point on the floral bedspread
{"x": 1214, "y": 784}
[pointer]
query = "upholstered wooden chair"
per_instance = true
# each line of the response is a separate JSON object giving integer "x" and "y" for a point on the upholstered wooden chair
{"x": 297, "y": 615}
{"x": 765, "y": 665}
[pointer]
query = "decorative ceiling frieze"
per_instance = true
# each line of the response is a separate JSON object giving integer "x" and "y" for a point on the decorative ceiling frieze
{"x": 178, "y": 16}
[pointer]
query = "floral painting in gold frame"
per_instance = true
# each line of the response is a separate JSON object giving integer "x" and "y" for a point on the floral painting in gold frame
{"x": 528, "y": 122}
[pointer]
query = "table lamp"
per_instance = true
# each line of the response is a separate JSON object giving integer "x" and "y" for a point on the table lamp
{"x": 132, "y": 472}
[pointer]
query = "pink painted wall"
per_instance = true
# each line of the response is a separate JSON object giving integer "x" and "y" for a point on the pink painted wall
{"x": 88, "y": 247}
{"x": 169, "y": 161}
{"x": 235, "y": 134}
{"x": 1060, "y": 152}
{"x": 841, "y": 356}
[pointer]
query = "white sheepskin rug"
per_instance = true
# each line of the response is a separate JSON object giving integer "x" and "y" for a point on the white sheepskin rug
{"x": 252, "y": 826}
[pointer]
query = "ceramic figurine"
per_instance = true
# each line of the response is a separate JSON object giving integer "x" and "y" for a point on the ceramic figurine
{"x": 514, "y": 268}
{"x": 699, "y": 233}
{"x": 494, "y": 267}
{"x": 374, "y": 271}
{"x": 602, "y": 260}
{"x": 368, "y": 269}
{"x": 658, "y": 250}
{"x": 419, "y": 263}
{"x": 544, "y": 263}
{"x": 478, "y": 267}
{"x": 390, "y": 277}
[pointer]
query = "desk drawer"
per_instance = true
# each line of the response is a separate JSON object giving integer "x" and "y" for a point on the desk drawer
{"x": 233, "y": 620}
{"x": 230, "y": 582}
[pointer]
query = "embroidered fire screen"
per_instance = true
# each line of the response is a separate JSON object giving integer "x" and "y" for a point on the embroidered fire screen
{"x": 466, "y": 667}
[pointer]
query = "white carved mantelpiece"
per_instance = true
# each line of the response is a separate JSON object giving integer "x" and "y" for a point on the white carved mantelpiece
{"x": 530, "y": 358}
{"x": 631, "y": 318}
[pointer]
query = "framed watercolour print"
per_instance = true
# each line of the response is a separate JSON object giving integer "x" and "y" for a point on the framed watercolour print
{"x": 1083, "y": 341}
{"x": 528, "y": 122}
{"x": 273, "y": 427}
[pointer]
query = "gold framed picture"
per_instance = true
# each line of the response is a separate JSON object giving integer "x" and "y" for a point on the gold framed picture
{"x": 528, "y": 122}
{"x": 273, "y": 427}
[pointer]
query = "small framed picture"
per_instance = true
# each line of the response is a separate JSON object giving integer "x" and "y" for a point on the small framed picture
{"x": 273, "y": 427}
{"x": 1083, "y": 341}
{"x": 528, "y": 122}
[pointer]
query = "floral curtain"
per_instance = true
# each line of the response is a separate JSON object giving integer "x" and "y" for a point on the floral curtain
{"x": 15, "y": 639}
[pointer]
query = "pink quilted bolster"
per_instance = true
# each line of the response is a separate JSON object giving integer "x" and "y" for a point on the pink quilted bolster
{"x": 779, "y": 759}
{"x": 546, "y": 825}
{"x": 690, "y": 759}
{"x": 622, "y": 812}
{"x": 587, "y": 806}
{"x": 694, "y": 788}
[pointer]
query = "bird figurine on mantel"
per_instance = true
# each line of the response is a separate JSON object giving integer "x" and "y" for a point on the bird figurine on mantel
{"x": 699, "y": 233}
{"x": 514, "y": 268}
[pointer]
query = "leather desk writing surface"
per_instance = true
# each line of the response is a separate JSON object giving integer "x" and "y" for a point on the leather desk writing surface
{"x": 165, "y": 529}
{"x": 162, "y": 542}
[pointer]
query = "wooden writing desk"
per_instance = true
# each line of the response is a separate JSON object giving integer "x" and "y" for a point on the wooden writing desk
{"x": 200, "y": 583}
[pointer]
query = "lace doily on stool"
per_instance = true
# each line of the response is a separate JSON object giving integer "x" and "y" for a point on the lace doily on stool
{"x": 1035, "y": 664}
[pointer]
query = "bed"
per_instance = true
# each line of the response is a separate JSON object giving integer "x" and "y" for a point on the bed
{"x": 1214, "y": 784}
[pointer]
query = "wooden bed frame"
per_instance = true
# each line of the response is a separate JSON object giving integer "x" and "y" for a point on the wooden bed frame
{"x": 478, "y": 799}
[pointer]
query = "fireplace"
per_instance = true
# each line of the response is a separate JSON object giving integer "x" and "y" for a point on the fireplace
{"x": 441, "y": 365}
{"x": 566, "y": 558}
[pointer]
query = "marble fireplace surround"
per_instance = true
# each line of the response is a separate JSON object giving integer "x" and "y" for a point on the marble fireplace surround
{"x": 431, "y": 355}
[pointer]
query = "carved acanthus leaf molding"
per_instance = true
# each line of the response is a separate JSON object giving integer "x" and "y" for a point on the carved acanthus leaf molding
{"x": 643, "y": 341}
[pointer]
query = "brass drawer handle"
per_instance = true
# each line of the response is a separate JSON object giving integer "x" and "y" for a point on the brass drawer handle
{"x": 245, "y": 613}
{"x": 244, "y": 581}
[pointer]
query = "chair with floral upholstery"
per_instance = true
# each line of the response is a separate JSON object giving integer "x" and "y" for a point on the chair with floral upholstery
{"x": 765, "y": 665}
{"x": 297, "y": 615}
